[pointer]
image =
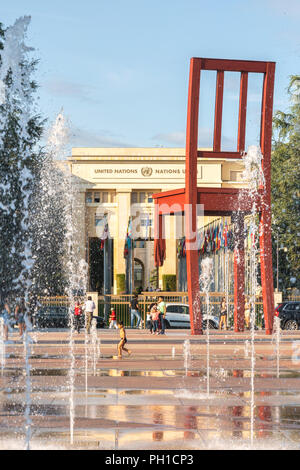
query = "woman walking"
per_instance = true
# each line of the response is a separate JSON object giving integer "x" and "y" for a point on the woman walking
{"x": 20, "y": 312}
{"x": 223, "y": 320}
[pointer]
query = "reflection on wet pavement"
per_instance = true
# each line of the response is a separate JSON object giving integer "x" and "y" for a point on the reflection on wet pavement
{"x": 160, "y": 406}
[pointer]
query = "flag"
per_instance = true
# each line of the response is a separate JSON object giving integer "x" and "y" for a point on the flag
{"x": 183, "y": 249}
{"x": 220, "y": 240}
{"x": 217, "y": 238}
{"x": 128, "y": 239}
{"x": 179, "y": 249}
{"x": 206, "y": 243}
{"x": 148, "y": 224}
{"x": 105, "y": 234}
{"x": 214, "y": 239}
{"x": 225, "y": 233}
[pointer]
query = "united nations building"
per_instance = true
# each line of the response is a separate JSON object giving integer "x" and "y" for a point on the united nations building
{"x": 114, "y": 187}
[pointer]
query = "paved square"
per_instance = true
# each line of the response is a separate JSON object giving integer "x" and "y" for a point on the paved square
{"x": 153, "y": 399}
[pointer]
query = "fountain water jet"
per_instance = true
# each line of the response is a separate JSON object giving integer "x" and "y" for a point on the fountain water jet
{"x": 277, "y": 334}
{"x": 16, "y": 98}
{"x": 254, "y": 177}
{"x": 27, "y": 353}
{"x": 2, "y": 345}
{"x": 187, "y": 355}
{"x": 95, "y": 344}
{"x": 62, "y": 194}
{"x": 205, "y": 280}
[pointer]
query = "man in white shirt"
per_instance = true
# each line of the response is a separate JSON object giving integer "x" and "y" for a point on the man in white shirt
{"x": 89, "y": 310}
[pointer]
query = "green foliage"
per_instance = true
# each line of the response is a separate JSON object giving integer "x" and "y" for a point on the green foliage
{"x": 121, "y": 283}
{"x": 169, "y": 282}
{"x": 48, "y": 232}
{"x": 14, "y": 232}
{"x": 286, "y": 189}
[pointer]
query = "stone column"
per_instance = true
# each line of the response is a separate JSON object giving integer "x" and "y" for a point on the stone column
{"x": 123, "y": 199}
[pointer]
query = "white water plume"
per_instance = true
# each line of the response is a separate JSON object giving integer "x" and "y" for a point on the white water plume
{"x": 16, "y": 96}
{"x": 254, "y": 177}
{"x": 63, "y": 193}
{"x": 277, "y": 336}
{"x": 2, "y": 345}
{"x": 206, "y": 278}
{"x": 187, "y": 355}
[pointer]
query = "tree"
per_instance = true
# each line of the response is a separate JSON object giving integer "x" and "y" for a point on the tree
{"x": 48, "y": 231}
{"x": 20, "y": 157}
{"x": 286, "y": 189}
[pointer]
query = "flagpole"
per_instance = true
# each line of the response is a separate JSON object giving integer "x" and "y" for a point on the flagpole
{"x": 106, "y": 272}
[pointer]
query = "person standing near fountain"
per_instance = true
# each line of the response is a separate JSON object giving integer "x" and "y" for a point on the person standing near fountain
{"x": 162, "y": 314}
{"x": 6, "y": 315}
{"x": 150, "y": 321}
{"x": 77, "y": 315}
{"x": 113, "y": 319}
{"x": 134, "y": 311}
{"x": 223, "y": 320}
{"x": 155, "y": 317}
{"x": 89, "y": 310}
{"x": 20, "y": 312}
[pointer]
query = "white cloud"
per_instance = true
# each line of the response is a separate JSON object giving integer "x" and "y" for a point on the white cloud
{"x": 103, "y": 138}
{"x": 177, "y": 138}
{"x": 67, "y": 89}
{"x": 205, "y": 139}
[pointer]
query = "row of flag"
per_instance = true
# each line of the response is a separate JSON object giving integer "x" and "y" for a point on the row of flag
{"x": 210, "y": 240}
{"x": 217, "y": 237}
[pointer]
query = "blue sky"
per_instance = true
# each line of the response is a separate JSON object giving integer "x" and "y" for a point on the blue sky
{"x": 119, "y": 68}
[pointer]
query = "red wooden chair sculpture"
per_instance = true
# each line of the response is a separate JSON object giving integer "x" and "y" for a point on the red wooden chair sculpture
{"x": 222, "y": 201}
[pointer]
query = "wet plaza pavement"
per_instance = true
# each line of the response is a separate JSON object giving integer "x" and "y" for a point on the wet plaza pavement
{"x": 152, "y": 399}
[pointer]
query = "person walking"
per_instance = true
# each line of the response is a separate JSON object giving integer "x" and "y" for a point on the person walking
{"x": 123, "y": 341}
{"x": 89, "y": 310}
{"x": 113, "y": 319}
{"x": 223, "y": 319}
{"x": 20, "y": 312}
{"x": 134, "y": 311}
{"x": 77, "y": 316}
{"x": 162, "y": 314}
{"x": 247, "y": 313}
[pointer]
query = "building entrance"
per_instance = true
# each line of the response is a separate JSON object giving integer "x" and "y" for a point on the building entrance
{"x": 97, "y": 265}
{"x": 138, "y": 274}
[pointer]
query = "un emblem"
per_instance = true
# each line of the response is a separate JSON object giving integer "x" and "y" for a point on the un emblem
{"x": 147, "y": 171}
